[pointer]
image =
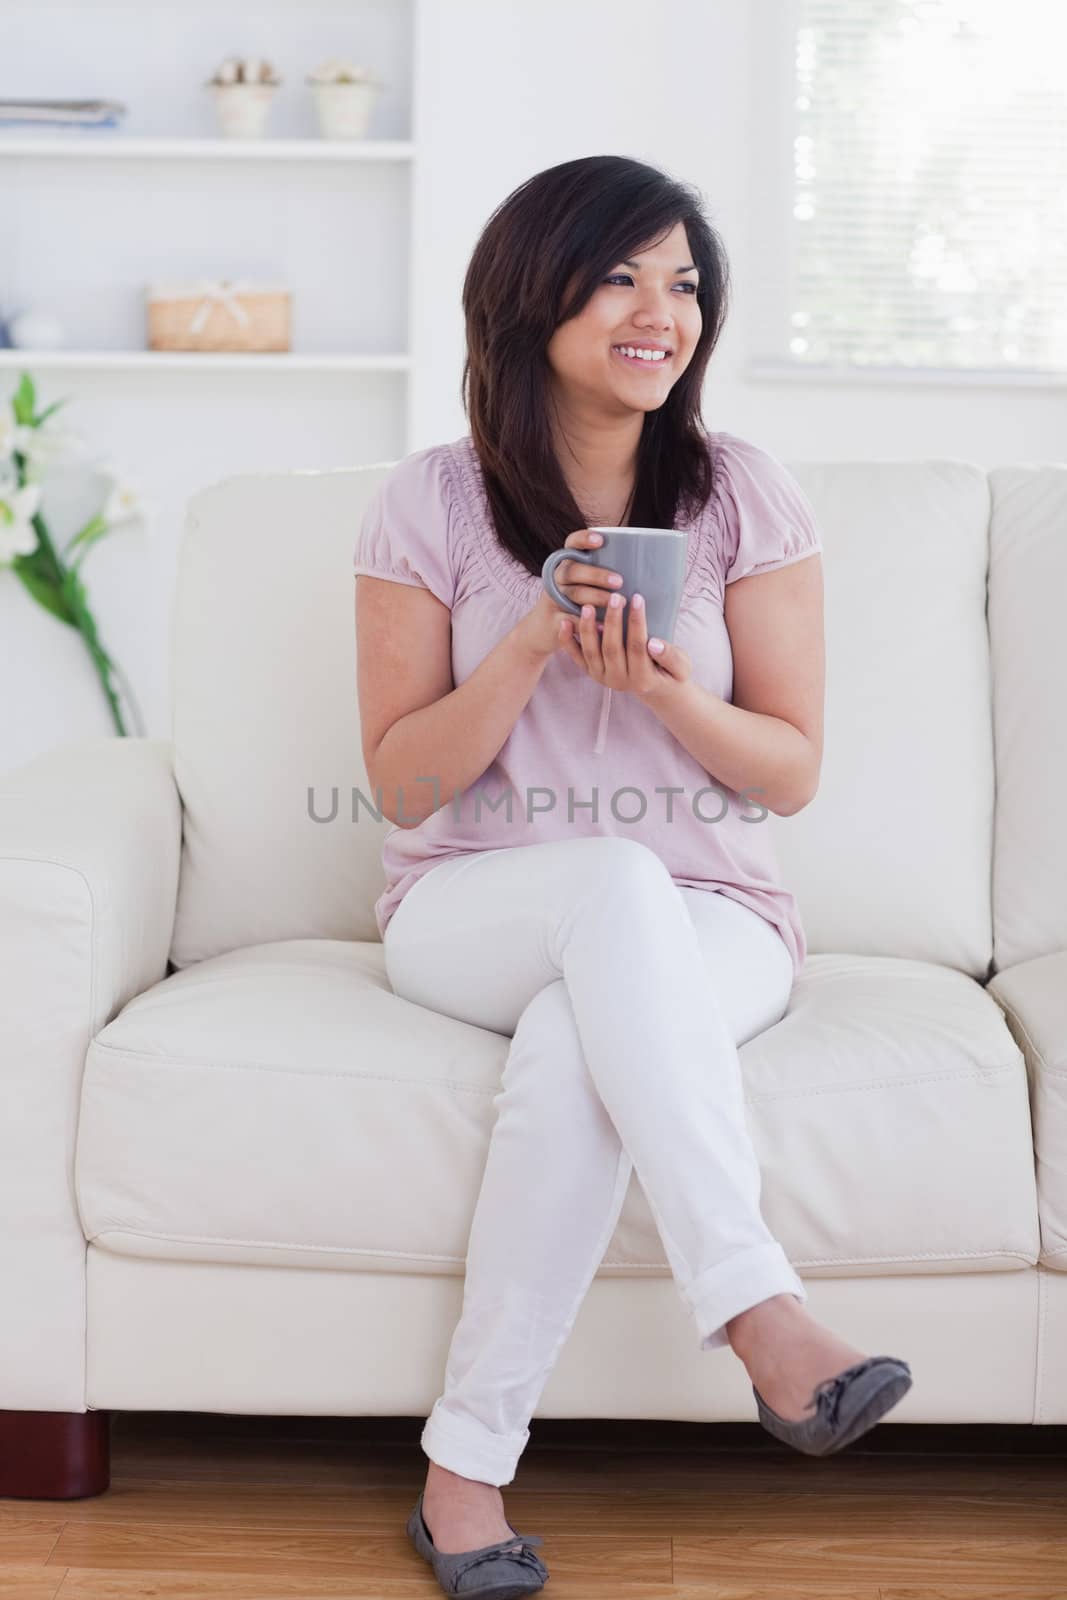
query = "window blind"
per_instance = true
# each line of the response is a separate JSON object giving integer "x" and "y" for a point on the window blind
{"x": 928, "y": 185}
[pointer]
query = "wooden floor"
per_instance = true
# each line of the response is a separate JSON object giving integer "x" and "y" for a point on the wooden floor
{"x": 246, "y": 1507}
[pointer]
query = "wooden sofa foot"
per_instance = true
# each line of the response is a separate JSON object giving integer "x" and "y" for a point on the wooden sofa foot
{"x": 54, "y": 1455}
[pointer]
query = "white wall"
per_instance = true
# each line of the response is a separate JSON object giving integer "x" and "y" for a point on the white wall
{"x": 500, "y": 91}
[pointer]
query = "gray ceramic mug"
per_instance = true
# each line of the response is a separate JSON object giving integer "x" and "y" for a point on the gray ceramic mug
{"x": 652, "y": 562}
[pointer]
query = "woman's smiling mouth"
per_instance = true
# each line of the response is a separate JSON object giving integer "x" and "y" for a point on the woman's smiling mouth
{"x": 652, "y": 360}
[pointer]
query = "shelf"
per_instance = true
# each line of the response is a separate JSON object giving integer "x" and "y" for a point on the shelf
{"x": 208, "y": 361}
{"x": 105, "y": 145}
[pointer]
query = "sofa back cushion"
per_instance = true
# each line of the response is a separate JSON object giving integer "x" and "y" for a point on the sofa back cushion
{"x": 264, "y": 708}
{"x": 893, "y": 857}
{"x": 1028, "y": 634}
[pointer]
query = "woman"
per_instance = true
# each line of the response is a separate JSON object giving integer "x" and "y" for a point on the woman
{"x": 627, "y": 955}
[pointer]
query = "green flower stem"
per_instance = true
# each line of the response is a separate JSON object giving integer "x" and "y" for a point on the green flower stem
{"x": 61, "y": 591}
{"x": 101, "y": 660}
{"x": 127, "y": 690}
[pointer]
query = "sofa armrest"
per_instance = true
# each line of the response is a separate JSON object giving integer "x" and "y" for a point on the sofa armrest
{"x": 1033, "y": 997}
{"x": 90, "y": 841}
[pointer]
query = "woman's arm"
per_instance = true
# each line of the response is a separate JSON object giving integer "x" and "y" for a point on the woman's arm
{"x": 768, "y": 739}
{"x": 423, "y": 740}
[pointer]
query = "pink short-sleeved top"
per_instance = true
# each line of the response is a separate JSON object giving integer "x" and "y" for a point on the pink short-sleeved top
{"x": 582, "y": 759}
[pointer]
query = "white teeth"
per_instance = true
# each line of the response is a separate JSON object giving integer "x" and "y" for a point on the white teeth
{"x": 641, "y": 355}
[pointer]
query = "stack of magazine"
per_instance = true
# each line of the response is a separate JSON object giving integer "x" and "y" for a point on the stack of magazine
{"x": 61, "y": 113}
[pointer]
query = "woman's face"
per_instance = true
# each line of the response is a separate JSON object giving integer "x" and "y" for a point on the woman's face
{"x": 644, "y": 301}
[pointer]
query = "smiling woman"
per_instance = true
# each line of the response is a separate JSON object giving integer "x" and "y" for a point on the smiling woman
{"x": 608, "y": 897}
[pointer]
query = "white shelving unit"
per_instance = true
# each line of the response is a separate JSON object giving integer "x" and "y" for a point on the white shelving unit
{"x": 111, "y": 145}
{"x": 93, "y": 216}
{"x": 204, "y": 360}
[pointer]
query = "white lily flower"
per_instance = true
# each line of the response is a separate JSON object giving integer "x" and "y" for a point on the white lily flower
{"x": 18, "y": 536}
{"x": 123, "y": 504}
{"x": 8, "y": 431}
{"x": 48, "y": 444}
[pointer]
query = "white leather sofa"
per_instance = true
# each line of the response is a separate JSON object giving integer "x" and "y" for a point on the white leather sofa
{"x": 237, "y": 1173}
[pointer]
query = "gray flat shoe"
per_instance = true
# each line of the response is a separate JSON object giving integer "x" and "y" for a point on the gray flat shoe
{"x": 506, "y": 1570}
{"x": 845, "y": 1407}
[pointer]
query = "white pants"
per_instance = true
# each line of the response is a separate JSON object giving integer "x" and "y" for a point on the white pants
{"x": 626, "y": 997}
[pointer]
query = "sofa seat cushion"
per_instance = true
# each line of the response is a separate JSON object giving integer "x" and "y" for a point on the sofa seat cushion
{"x": 278, "y": 1104}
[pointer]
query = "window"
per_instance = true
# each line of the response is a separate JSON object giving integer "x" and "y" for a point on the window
{"x": 920, "y": 183}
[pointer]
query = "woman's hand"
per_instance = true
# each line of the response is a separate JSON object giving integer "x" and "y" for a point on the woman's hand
{"x": 599, "y": 649}
{"x": 547, "y": 626}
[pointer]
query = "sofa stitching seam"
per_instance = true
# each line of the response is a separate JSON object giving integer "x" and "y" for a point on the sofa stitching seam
{"x": 429, "y": 1255}
{"x": 968, "y": 1073}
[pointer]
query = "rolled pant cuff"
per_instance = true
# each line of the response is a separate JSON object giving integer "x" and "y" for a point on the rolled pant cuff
{"x": 737, "y": 1284}
{"x": 466, "y": 1447}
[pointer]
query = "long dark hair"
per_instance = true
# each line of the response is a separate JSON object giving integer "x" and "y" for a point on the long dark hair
{"x": 576, "y": 221}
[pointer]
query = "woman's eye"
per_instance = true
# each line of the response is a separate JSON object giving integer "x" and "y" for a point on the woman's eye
{"x": 617, "y": 275}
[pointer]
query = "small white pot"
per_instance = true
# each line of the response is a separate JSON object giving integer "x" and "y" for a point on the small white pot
{"x": 344, "y": 109}
{"x": 242, "y": 108}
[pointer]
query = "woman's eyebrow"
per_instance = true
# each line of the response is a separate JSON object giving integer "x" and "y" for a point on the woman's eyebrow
{"x": 637, "y": 267}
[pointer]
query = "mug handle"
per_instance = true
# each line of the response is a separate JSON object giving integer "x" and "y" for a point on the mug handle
{"x": 547, "y": 578}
